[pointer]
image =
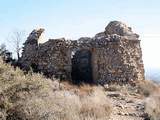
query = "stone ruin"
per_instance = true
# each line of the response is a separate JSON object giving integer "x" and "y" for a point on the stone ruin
{"x": 111, "y": 56}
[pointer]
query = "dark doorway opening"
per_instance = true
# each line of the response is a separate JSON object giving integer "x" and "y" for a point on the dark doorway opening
{"x": 82, "y": 67}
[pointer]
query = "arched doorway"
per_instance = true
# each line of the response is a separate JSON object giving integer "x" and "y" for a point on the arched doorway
{"x": 82, "y": 67}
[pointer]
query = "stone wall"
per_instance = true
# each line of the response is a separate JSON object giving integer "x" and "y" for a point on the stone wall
{"x": 119, "y": 61}
{"x": 111, "y": 56}
{"x": 55, "y": 58}
{"x": 29, "y": 54}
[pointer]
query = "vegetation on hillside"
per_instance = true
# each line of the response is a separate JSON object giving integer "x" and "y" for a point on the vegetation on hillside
{"x": 152, "y": 102}
{"x": 34, "y": 97}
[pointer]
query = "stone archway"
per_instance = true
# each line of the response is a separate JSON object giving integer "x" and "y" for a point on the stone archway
{"x": 82, "y": 67}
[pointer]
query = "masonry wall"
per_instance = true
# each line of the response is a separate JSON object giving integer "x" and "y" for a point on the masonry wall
{"x": 116, "y": 55}
{"x": 55, "y": 58}
{"x": 119, "y": 61}
{"x": 29, "y": 54}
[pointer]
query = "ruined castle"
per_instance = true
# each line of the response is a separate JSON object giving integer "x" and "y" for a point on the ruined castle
{"x": 111, "y": 56}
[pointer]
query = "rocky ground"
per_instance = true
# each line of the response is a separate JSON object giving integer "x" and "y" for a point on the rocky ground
{"x": 128, "y": 104}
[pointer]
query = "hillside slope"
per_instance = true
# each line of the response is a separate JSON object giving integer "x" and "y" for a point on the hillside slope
{"x": 34, "y": 97}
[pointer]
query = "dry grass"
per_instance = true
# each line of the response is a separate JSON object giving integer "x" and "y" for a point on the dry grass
{"x": 152, "y": 106}
{"x": 33, "y": 97}
{"x": 147, "y": 87}
{"x": 151, "y": 91}
{"x": 96, "y": 107}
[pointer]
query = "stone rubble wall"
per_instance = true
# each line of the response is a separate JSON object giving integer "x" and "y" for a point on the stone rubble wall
{"x": 55, "y": 58}
{"x": 116, "y": 55}
{"x": 120, "y": 61}
{"x": 29, "y": 54}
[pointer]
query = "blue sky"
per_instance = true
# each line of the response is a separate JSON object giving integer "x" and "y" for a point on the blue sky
{"x": 76, "y": 18}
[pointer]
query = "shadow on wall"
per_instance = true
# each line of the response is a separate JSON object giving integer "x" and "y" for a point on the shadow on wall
{"x": 82, "y": 67}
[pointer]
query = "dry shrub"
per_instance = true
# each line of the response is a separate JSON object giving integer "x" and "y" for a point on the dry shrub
{"x": 96, "y": 106}
{"x": 63, "y": 105}
{"x": 67, "y": 85}
{"x": 58, "y": 107}
{"x": 152, "y": 103}
{"x": 147, "y": 87}
{"x": 33, "y": 97}
{"x": 85, "y": 90}
{"x": 152, "y": 106}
